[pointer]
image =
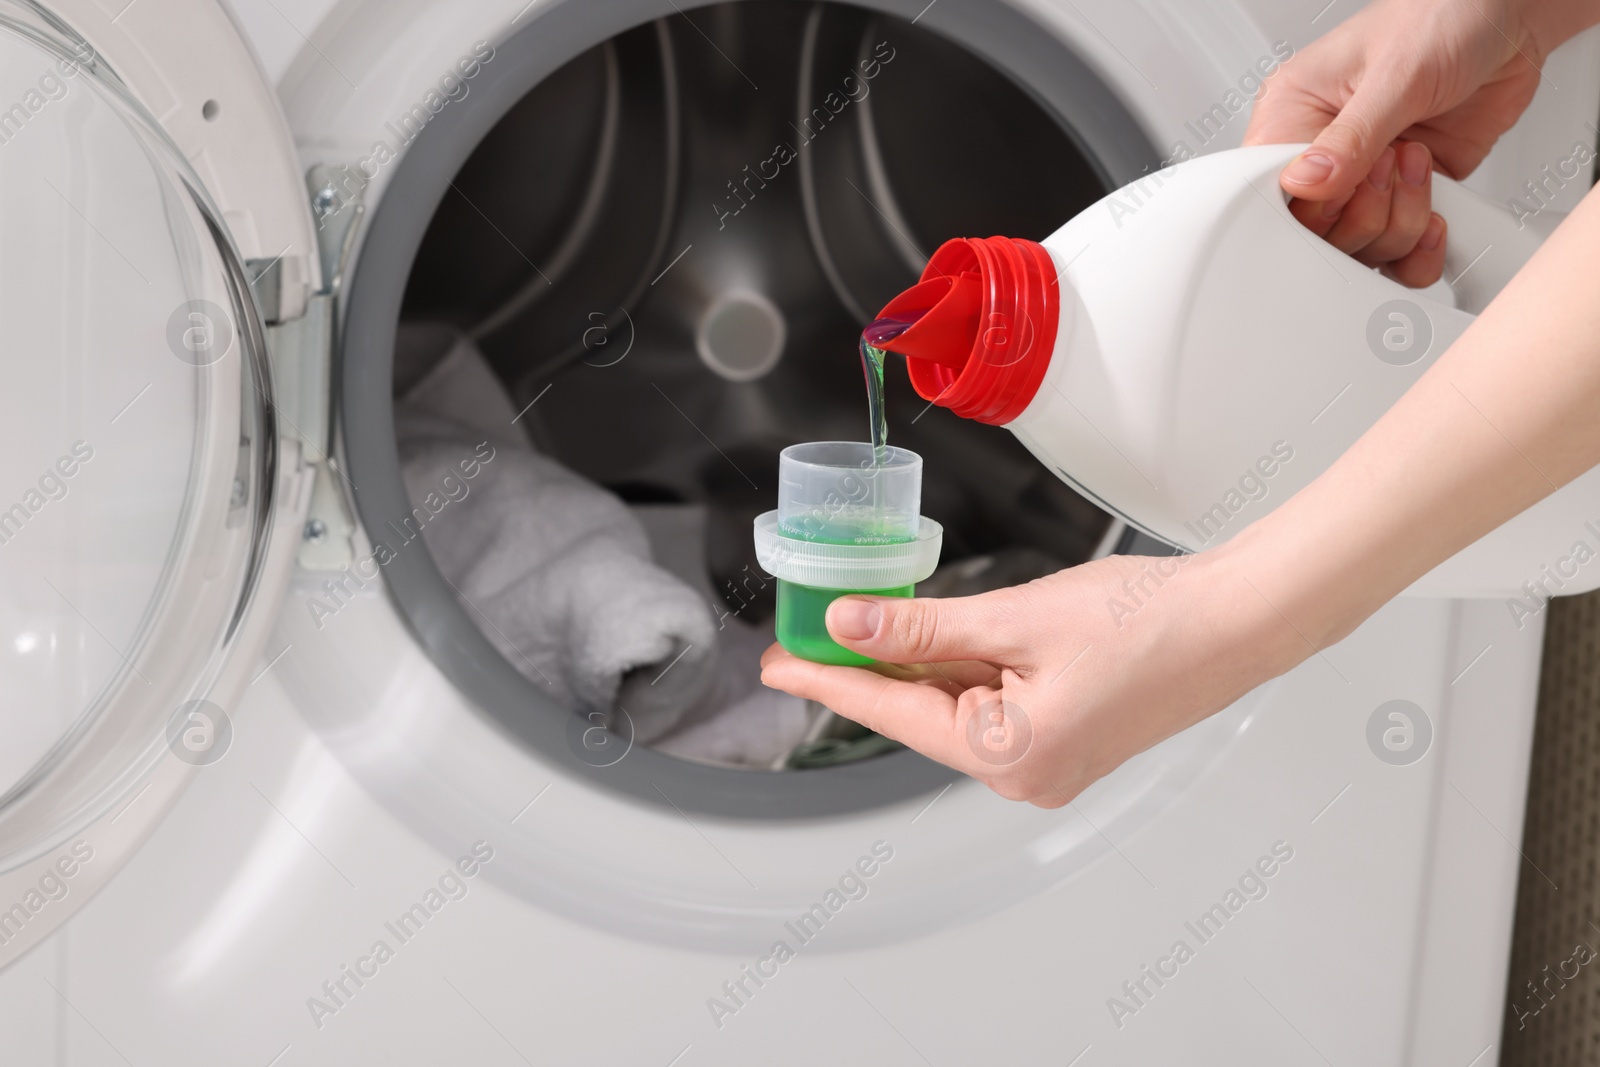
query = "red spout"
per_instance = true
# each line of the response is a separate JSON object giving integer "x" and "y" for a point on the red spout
{"x": 944, "y": 333}
{"x": 992, "y": 306}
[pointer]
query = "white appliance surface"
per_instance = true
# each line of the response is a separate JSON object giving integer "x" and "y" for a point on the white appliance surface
{"x": 279, "y": 869}
{"x": 373, "y": 875}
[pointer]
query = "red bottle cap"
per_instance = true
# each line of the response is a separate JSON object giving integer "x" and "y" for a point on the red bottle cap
{"x": 982, "y": 347}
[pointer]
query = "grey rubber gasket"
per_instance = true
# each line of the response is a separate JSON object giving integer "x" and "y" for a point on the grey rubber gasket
{"x": 1061, "y": 83}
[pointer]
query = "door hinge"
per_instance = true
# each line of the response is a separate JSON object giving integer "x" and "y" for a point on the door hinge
{"x": 303, "y": 356}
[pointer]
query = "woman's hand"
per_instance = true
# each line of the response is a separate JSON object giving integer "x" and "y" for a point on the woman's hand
{"x": 1402, "y": 88}
{"x": 1039, "y": 690}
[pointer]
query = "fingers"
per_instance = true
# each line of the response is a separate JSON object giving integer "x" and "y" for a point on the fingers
{"x": 1365, "y": 215}
{"x": 1425, "y": 263}
{"x": 1387, "y": 221}
{"x": 954, "y": 677}
{"x": 975, "y": 729}
{"x": 904, "y": 630}
{"x": 920, "y": 716}
{"x": 1411, "y": 185}
{"x": 1344, "y": 152}
{"x": 1318, "y": 218}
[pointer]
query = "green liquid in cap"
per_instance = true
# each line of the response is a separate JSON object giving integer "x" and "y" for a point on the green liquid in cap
{"x": 802, "y": 626}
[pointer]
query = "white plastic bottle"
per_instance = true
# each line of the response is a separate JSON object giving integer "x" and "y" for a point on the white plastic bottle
{"x": 1188, "y": 355}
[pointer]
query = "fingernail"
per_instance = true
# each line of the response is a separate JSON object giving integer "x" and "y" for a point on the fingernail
{"x": 1433, "y": 236}
{"x": 1415, "y": 163}
{"x": 853, "y": 619}
{"x": 1309, "y": 169}
{"x": 1382, "y": 172}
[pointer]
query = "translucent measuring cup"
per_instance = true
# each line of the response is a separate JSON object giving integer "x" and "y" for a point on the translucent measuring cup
{"x": 837, "y": 492}
{"x": 844, "y": 524}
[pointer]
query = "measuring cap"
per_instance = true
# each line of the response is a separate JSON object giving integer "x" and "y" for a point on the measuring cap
{"x": 839, "y": 491}
{"x": 846, "y": 520}
{"x": 850, "y": 568}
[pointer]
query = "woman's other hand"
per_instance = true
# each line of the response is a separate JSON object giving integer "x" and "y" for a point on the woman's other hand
{"x": 1039, "y": 690}
{"x": 1403, "y": 88}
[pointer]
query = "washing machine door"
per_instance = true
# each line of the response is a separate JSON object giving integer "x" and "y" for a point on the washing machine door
{"x": 141, "y": 471}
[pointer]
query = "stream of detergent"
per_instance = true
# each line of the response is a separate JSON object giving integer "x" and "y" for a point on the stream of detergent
{"x": 877, "y": 334}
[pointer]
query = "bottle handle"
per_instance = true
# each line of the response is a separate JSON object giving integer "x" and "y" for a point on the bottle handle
{"x": 1485, "y": 243}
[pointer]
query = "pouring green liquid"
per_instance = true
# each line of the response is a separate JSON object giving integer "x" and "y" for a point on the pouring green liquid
{"x": 877, "y": 334}
{"x": 802, "y": 610}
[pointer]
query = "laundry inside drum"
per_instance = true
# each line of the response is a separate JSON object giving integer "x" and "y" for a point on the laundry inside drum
{"x": 647, "y": 280}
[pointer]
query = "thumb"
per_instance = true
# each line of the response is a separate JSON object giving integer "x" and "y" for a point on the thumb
{"x": 904, "y": 630}
{"x": 1345, "y": 150}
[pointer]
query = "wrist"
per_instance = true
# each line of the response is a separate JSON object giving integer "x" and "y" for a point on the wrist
{"x": 1290, "y": 602}
{"x": 1546, "y": 26}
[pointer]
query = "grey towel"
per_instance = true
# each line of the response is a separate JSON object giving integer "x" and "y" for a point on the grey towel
{"x": 741, "y": 723}
{"x": 556, "y": 570}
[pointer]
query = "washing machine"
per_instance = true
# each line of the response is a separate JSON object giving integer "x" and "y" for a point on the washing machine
{"x": 271, "y": 795}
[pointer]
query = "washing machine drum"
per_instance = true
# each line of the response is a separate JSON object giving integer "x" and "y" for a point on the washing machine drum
{"x": 734, "y": 242}
{"x": 665, "y": 240}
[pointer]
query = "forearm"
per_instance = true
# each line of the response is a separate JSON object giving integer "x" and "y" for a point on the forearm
{"x": 1507, "y": 415}
{"x": 1552, "y": 22}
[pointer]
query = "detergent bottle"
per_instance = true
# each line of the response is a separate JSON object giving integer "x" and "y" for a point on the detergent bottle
{"x": 1188, "y": 355}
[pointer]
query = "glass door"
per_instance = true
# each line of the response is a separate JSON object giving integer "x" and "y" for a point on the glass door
{"x": 137, "y": 444}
